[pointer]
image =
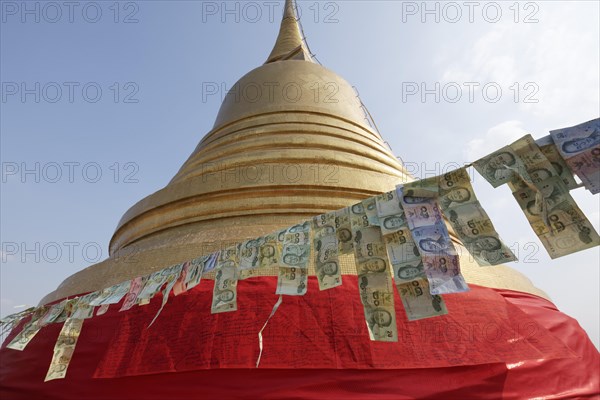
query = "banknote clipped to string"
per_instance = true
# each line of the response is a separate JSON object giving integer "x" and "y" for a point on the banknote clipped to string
{"x": 406, "y": 262}
{"x": 375, "y": 283}
{"x": 428, "y": 230}
{"x": 226, "y": 278}
{"x": 580, "y": 148}
{"x": 295, "y": 257}
{"x": 326, "y": 251}
{"x": 542, "y": 194}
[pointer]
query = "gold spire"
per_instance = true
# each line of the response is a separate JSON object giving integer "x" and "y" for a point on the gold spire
{"x": 289, "y": 44}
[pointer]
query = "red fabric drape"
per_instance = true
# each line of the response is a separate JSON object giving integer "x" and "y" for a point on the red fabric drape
{"x": 492, "y": 344}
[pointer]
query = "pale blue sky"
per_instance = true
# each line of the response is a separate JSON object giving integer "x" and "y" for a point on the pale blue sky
{"x": 550, "y": 50}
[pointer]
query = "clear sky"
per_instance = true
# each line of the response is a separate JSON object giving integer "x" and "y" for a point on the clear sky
{"x": 103, "y": 101}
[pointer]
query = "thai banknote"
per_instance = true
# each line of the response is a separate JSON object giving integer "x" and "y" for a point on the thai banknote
{"x": 408, "y": 271}
{"x": 443, "y": 274}
{"x": 370, "y": 208}
{"x": 249, "y": 258}
{"x": 229, "y": 256}
{"x": 548, "y": 148}
{"x": 401, "y": 247}
{"x": 194, "y": 270}
{"x": 358, "y": 217}
{"x": 376, "y": 293}
{"x": 375, "y": 284}
{"x": 135, "y": 288}
{"x": 23, "y": 338}
{"x": 557, "y": 220}
{"x": 470, "y": 221}
{"x": 9, "y": 322}
{"x": 477, "y": 233}
{"x": 501, "y": 167}
{"x": 419, "y": 211}
{"x": 390, "y": 213}
{"x": 211, "y": 263}
{"x": 388, "y": 204}
{"x": 64, "y": 349}
{"x": 101, "y": 296}
{"x": 179, "y": 286}
{"x": 572, "y": 238}
{"x": 292, "y": 281}
{"x": 580, "y": 147}
{"x": 422, "y": 188}
{"x": 537, "y": 203}
{"x": 325, "y": 243}
{"x": 418, "y": 302}
{"x": 83, "y": 309}
{"x": 270, "y": 250}
{"x": 41, "y": 317}
{"x": 433, "y": 240}
{"x": 455, "y": 189}
{"x": 343, "y": 230}
{"x": 153, "y": 284}
{"x": 488, "y": 250}
{"x": 250, "y": 252}
{"x": 292, "y": 277}
{"x": 537, "y": 167}
{"x": 225, "y": 288}
{"x": 295, "y": 255}
{"x": 116, "y": 293}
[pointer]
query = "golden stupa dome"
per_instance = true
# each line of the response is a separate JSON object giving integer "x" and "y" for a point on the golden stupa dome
{"x": 290, "y": 141}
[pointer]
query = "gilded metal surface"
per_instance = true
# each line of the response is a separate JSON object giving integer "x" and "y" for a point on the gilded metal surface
{"x": 289, "y": 44}
{"x": 273, "y": 158}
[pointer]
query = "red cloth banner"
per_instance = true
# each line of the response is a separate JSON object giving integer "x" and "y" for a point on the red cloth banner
{"x": 493, "y": 343}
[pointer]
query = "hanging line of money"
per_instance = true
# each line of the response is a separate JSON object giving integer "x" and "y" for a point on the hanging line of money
{"x": 260, "y": 337}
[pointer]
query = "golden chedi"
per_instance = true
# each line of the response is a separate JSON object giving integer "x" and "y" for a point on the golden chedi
{"x": 290, "y": 141}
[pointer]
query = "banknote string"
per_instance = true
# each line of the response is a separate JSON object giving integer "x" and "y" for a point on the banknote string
{"x": 260, "y": 338}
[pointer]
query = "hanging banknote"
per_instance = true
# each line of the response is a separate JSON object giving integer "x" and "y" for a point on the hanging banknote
{"x": 343, "y": 230}
{"x": 292, "y": 281}
{"x": 370, "y": 209}
{"x": 292, "y": 278}
{"x": 82, "y": 309}
{"x": 358, "y": 217}
{"x": 500, "y": 167}
{"x": 557, "y": 220}
{"x": 325, "y": 243}
{"x": 470, "y": 221}
{"x": 195, "y": 268}
{"x": 375, "y": 284}
{"x": 64, "y": 349}
{"x": 401, "y": 247}
{"x": 580, "y": 148}
{"x": 419, "y": 211}
{"x": 225, "y": 291}
{"x": 226, "y": 278}
{"x": 113, "y": 295}
{"x": 418, "y": 302}
{"x": 9, "y": 322}
{"x": 270, "y": 250}
{"x": 390, "y": 212}
{"x": 42, "y": 316}
{"x": 537, "y": 167}
{"x": 135, "y": 288}
{"x": 296, "y": 246}
{"x": 546, "y": 145}
{"x": 429, "y": 233}
{"x": 153, "y": 284}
